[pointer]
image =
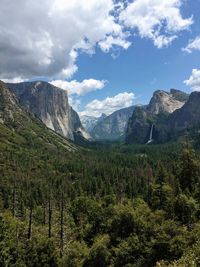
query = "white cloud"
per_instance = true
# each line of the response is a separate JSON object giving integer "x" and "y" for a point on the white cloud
{"x": 108, "y": 43}
{"x": 72, "y": 68}
{"x": 14, "y": 80}
{"x": 80, "y": 88}
{"x": 158, "y": 20}
{"x": 44, "y": 38}
{"x": 194, "y": 80}
{"x": 192, "y": 45}
{"x": 74, "y": 102}
{"x": 108, "y": 105}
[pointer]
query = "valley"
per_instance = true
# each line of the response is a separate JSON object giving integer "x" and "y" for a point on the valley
{"x": 100, "y": 204}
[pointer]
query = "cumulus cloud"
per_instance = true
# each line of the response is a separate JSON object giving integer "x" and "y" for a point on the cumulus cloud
{"x": 14, "y": 80}
{"x": 158, "y": 20}
{"x": 108, "y": 43}
{"x": 80, "y": 88}
{"x": 44, "y": 38}
{"x": 108, "y": 105}
{"x": 74, "y": 102}
{"x": 194, "y": 80}
{"x": 192, "y": 45}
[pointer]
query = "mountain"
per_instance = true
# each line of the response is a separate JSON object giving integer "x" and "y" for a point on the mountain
{"x": 149, "y": 120}
{"x": 166, "y": 102}
{"x": 50, "y": 105}
{"x": 139, "y": 125}
{"x": 113, "y": 126}
{"x": 19, "y": 128}
{"x": 185, "y": 119}
{"x": 90, "y": 122}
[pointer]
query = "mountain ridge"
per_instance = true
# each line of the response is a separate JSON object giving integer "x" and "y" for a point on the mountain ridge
{"x": 50, "y": 104}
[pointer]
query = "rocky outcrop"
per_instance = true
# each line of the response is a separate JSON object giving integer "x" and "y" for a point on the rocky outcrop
{"x": 138, "y": 126}
{"x": 166, "y": 102}
{"x": 161, "y": 105}
{"x": 112, "y": 127}
{"x": 90, "y": 122}
{"x": 50, "y": 105}
{"x": 184, "y": 119}
{"x": 9, "y": 106}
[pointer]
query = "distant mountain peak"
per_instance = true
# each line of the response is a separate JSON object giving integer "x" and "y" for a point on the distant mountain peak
{"x": 103, "y": 115}
{"x": 89, "y": 122}
{"x": 113, "y": 126}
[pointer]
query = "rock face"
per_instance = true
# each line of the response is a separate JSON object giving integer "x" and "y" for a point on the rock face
{"x": 9, "y": 106}
{"x": 164, "y": 102}
{"x": 185, "y": 118}
{"x": 139, "y": 125}
{"x": 19, "y": 127}
{"x": 112, "y": 127}
{"x": 161, "y": 105}
{"x": 90, "y": 122}
{"x": 50, "y": 104}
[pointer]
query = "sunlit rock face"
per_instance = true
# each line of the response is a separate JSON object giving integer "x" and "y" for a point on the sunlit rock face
{"x": 50, "y": 104}
{"x": 166, "y": 102}
{"x": 156, "y": 113}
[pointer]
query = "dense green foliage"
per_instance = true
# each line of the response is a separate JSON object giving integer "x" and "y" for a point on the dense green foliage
{"x": 107, "y": 205}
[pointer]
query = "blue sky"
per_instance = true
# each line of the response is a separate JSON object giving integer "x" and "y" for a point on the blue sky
{"x": 108, "y": 54}
{"x": 143, "y": 68}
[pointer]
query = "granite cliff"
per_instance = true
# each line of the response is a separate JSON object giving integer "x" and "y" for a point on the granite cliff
{"x": 50, "y": 104}
{"x": 156, "y": 113}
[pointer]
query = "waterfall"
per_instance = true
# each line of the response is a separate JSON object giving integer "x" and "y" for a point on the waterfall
{"x": 151, "y": 135}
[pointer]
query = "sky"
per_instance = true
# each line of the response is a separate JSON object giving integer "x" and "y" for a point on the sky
{"x": 108, "y": 54}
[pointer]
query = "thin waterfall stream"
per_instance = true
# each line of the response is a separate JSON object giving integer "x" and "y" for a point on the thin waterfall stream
{"x": 151, "y": 135}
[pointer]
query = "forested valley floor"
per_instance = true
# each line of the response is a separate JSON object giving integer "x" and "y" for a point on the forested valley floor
{"x": 106, "y": 205}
